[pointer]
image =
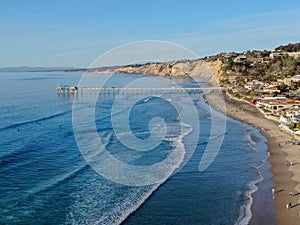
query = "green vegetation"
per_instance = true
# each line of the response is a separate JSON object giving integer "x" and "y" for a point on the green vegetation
{"x": 270, "y": 70}
{"x": 262, "y": 67}
{"x": 289, "y": 48}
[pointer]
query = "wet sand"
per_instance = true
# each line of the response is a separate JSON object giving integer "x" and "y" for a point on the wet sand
{"x": 286, "y": 178}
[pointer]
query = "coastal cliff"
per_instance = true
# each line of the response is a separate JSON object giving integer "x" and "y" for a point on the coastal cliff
{"x": 232, "y": 70}
{"x": 198, "y": 69}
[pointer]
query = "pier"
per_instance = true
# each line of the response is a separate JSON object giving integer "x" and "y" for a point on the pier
{"x": 107, "y": 91}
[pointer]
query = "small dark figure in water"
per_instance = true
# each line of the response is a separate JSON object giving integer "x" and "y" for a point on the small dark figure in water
{"x": 18, "y": 129}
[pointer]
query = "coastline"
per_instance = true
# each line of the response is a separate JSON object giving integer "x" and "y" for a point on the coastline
{"x": 286, "y": 178}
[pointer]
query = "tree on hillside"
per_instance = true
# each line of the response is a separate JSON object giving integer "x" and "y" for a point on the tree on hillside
{"x": 289, "y": 48}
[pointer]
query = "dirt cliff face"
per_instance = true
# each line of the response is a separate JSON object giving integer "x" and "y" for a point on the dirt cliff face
{"x": 197, "y": 69}
{"x": 216, "y": 69}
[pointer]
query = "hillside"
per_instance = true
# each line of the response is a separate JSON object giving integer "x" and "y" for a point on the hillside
{"x": 289, "y": 48}
{"x": 264, "y": 65}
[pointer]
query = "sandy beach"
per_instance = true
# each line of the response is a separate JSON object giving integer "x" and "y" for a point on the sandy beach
{"x": 281, "y": 151}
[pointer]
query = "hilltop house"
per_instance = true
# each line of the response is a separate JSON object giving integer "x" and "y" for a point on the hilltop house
{"x": 256, "y": 60}
{"x": 281, "y": 53}
{"x": 240, "y": 58}
{"x": 294, "y": 54}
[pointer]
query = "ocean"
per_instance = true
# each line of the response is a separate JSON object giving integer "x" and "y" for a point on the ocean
{"x": 128, "y": 159}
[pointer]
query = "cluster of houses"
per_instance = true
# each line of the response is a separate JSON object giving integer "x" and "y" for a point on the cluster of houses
{"x": 271, "y": 88}
{"x": 278, "y": 106}
{"x": 261, "y": 87}
{"x": 267, "y": 97}
{"x": 237, "y": 58}
{"x": 284, "y": 110}
{"x": 269, "y": 100}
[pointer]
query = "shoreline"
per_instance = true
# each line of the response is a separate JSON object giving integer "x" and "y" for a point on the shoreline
{"x": 286, "y": 178}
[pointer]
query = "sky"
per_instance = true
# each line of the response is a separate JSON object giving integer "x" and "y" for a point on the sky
{"x": 74, "y": 33}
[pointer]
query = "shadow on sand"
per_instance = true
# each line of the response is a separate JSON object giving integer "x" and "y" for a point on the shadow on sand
{"x": 293, "y": 206}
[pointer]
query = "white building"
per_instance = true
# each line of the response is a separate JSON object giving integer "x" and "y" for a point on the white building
{"x": 291, "y": 80}
{"x": 280, "y": 53}
{"x": 276, "y": 105}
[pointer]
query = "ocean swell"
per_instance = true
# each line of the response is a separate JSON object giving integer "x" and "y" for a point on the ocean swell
{"x": 115, "y": 212}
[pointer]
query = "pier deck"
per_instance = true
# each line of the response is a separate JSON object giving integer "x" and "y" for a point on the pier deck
{"x": 66, "y": 89}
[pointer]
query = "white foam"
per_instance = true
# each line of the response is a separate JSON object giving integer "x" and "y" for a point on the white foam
{"x": 246, "y": 213}
{"x": 180, "y": 145}
{"x": 81, "y": 214}
{"x": 249, "y": 138}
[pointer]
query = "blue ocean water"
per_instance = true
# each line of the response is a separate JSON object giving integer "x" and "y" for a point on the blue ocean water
{"x": 47, "y": 179}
